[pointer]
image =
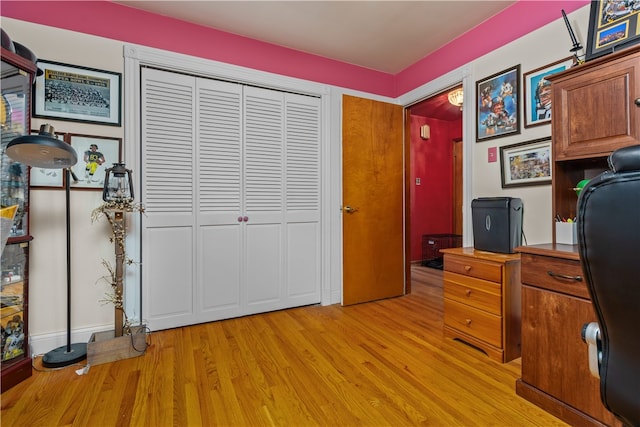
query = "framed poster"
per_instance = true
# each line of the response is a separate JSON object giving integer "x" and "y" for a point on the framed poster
{"x": 497, "y": 104}
{"x": 526, "y": 163}
{"x": 613, "y": 25}
{"x": 71, "y": 92}
{"x": 537, "y": 92}
{"x": 95, "y": 155}
{"x": 48, "y": 178}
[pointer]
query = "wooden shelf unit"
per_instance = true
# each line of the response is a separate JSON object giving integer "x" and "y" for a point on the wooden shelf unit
{"x": 596, "y": 110}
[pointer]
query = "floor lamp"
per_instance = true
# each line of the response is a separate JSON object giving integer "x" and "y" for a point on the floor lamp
{"x": 46, "y": 151}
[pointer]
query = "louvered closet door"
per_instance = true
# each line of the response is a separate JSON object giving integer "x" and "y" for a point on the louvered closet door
{"x": 220, "y": 207}
{"x": 231, "y": 181}
{"x": 281, "y": 179}
{"x": 168, "y": 183}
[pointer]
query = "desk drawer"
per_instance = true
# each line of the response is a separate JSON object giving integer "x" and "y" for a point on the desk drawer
{"x": 477, "y": 293}
{"x": 473, "y": 267}
{"x": 477, "y": 323}
{"x": 556, "y": 274}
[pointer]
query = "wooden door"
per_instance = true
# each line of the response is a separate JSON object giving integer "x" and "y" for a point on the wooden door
{"x": 372, "y": 200}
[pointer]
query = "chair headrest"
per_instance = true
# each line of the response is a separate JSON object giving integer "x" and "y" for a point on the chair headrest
{"x": 625, "y": 159}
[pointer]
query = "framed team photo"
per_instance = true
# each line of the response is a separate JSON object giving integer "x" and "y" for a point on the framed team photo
{"x": 71, "y": 92}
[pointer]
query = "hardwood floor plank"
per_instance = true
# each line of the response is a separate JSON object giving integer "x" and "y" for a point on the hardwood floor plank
{"x": 384, "y": 363}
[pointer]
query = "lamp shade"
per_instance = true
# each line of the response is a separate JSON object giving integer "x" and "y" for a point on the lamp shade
{"x": 456, "y": 97}
{"x": 43, "y": 150}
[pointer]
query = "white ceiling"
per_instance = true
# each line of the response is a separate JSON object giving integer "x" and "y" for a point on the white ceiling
{"x": 387, "y": 36}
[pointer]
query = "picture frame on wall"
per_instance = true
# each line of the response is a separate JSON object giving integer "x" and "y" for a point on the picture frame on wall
{"x": 95, "y": 155}
{"x": 75, "y": 93}
{"x": 47, "y": 178}
{"x": 497, "y": 105}
{"x": 526, "y": 163}
{"x": 613, "y": 26}
{"x": 536, "y": 92}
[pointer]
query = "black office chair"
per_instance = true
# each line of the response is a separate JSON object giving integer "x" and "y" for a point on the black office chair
{"x": 609, "y": 244}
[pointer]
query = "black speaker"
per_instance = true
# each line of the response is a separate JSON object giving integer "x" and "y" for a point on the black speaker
{"x": 497, "y": 224}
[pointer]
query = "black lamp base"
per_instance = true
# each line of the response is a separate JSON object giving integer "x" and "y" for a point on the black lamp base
{"x": 60, "y": 357}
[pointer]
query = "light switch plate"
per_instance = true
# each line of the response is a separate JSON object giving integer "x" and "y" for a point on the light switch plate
{"x": 492, "y": 154}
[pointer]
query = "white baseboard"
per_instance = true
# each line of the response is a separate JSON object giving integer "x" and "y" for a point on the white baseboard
{"x": 43, "y": 343}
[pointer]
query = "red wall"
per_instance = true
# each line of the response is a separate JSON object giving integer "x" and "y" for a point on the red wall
{"x": 432, "y": 162}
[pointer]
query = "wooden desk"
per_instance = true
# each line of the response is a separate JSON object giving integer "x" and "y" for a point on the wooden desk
{"x": 555, "y": 365}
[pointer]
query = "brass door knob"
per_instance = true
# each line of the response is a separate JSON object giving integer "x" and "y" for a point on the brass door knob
{"x": 349, "y": 209}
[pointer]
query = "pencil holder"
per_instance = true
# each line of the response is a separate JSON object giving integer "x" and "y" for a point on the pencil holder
{"x": 566, "y": 232}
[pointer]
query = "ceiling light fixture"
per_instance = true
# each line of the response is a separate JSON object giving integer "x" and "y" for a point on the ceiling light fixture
{"x": 456, "y": 97}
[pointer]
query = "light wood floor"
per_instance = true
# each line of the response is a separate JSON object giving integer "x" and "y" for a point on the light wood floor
{"x": 377, "y": 364}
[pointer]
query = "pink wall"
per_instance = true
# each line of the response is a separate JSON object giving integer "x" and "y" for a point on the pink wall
{"x": 432, "y": 162}
{"x": 114, "y": 21}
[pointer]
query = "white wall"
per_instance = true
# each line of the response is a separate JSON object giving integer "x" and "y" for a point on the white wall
{"x": 90, "y": 242}
{"x": 47, "y": 321}
{"x": 546, "y": 45}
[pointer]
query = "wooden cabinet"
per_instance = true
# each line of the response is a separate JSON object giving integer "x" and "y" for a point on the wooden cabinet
{"x": 595, "y": 111}
{"x": 482, "y": 301}
{"x": 15, "y": 360}
{"x": 555, "y": 365}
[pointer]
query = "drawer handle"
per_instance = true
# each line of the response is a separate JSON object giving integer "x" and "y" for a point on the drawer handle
{"x": 467, "y": 268}
{"x": 468, "y": 292}
{"x": 564, "y": 276}
{"x": 468, "y": 322}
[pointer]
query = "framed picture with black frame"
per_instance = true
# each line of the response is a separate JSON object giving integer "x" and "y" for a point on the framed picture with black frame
{"x": 526, "y": 163}
{"x": 75, "y": 93}
{"x": 95, "y": 155}
{"x": 613, "y": 26}
{"x": 498, "y": 104}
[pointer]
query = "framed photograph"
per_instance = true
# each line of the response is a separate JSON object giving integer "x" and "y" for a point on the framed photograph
{"x": 526, "y": 163}
{"x": 497, "y": 105}
{"x": 613, "y": 25}
{"x": 537, "y": 92}
{"x": 95, "y": 155}
{"x": 70, "y": 92}
{"x": 48, "y": 178}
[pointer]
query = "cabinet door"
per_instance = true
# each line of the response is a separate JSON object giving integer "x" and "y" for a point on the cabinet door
{"x": 554, "y": 357}
{"x": 594, "y": 110}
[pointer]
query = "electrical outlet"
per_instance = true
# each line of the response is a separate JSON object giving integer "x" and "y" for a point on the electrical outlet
{"x": 417, "y": 181}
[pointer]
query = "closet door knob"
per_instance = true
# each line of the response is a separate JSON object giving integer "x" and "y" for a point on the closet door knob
{"x": 245, "y": 218}
{"x": 240, "y": 219}
{"x": 637, "y": 101}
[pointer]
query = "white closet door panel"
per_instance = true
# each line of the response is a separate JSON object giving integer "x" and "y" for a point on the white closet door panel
{"x": 303, "y": 263}
{"x": 219, "y": 137}
{"x": 168, "y": 193}
{"x": 169, "y": 278}
{"x": 263, "y": 155}
{"x": 168, "y": 123}
{"x": 263, "y": 265}
{"x": 219, "y": 271}
{"x": 302, "y": 192}
{"x": 302, "y": 158}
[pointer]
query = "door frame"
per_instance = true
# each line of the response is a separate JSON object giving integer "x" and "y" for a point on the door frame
{"x": 137, "y": 56}
{"x": 453, "y": 78}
